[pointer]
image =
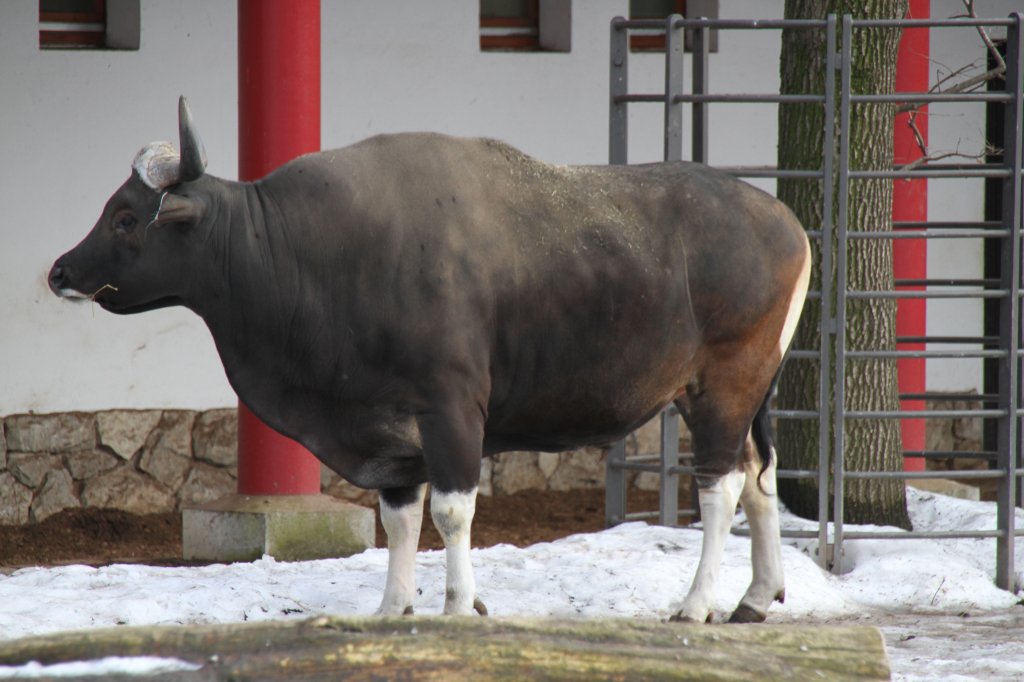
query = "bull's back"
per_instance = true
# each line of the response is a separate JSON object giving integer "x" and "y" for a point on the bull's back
{"x": 587, "y": 291}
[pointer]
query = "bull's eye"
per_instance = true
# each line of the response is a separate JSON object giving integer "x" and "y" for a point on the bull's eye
{"x": 125, "y": 221}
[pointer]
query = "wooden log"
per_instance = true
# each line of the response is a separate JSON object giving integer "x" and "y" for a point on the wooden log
{"x": 434, "y": 648}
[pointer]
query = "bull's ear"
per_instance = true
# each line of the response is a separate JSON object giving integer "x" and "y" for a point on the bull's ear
{"x": 193, "y": 154}
{"x": 175, "y": 208}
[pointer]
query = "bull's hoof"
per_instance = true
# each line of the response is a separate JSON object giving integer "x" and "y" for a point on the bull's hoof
{"x": 408, "y": 611}
{"x": 479, "y": 606}
{"x": 680, "y": 618}
{"x": 745, "y": 614}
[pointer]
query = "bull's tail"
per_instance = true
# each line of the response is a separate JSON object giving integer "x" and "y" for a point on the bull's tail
{"x": 761, "y": 429}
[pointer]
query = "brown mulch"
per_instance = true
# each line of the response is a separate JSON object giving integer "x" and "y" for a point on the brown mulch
{"x": 103, "y": 536}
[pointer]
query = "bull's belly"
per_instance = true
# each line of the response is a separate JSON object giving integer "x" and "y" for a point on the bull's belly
{"x": 567, "y": 425}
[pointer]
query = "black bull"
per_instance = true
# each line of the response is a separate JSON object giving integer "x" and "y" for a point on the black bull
{"x": 410, "y": 304}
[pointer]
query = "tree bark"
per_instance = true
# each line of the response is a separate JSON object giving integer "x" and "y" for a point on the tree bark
{"x": 870, "y": 445}
{"x": 481, "y": 649}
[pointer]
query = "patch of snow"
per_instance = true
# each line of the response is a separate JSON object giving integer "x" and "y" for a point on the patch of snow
{"x": 103, "y": 667}
{"x": 917, "y": 591}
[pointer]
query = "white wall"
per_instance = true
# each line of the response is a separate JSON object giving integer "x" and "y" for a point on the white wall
{"x": 72, "y": 121}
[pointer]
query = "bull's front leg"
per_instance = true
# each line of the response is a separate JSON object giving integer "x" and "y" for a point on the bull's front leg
{"x": 452, "y": 447}
{"x": 401, "y": 514}
{"x": 453, "y": 515}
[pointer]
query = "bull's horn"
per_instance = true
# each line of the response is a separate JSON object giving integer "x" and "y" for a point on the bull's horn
{"x": 193, "y": 154}
{"x": 158, "y": 165}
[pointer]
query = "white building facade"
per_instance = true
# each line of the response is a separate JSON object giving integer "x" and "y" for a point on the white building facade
{"x": 72, "y": 120}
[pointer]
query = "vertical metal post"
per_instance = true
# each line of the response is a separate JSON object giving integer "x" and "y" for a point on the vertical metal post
{"x": 618, "y": 139}
{"x": 828, "y": 320}
{"x": 618, "y": 121}
{"x": 839, "y": 420}
{"x": 1009, "y": 316}
{"x": 615, "y": 485}
{"x": 668, "y": 505}
{"x": 673, "y": 87}
{"x": 701, "y": 48}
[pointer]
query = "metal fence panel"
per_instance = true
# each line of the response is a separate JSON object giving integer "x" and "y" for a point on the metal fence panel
{"x": 836, "y": 175}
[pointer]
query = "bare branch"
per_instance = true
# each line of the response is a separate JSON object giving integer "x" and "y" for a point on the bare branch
{"x": 938, "y": 156}
{"x": 971, "y": 83}
{"x": 1000, "y": 62}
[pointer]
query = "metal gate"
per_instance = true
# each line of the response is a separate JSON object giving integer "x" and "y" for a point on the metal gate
{"x": 1002, "y": 408}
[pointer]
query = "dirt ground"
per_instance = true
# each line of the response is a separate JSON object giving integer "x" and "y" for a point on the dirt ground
{"x": 103, "y": 536}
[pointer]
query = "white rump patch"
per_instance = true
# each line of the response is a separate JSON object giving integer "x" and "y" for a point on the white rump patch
{"x": 158, "y": 165}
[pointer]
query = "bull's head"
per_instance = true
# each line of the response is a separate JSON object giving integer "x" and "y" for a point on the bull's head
{"x": 135, "y": 257}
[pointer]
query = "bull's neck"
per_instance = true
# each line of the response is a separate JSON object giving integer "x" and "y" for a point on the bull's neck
{"x": 246, "y": 252}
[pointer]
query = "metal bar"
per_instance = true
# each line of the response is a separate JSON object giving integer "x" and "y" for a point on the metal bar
{"x": 923, "y": 535}
{"x": 967, "y": 233}
{"x": 668, "y": 494}
{"x": 829, "y": 324}
{"x": 925, "y": 475}
{"x": 925, "y": 172}
{"x": 752, "y": 23}
{"x": 934, "y": 282}
{"x": 839, "y": 418}
{"x": 942, "y": 224}
{"x": 940, "y": 397}
{"x": 626, "y": 99}
{"x": 977, "y": 340}
{"x": 618, "y": 78}
{"x": 951, "y": 454}
{"x": 984, "y": 293}
{"x": 703, "y": 97}
{"x": 767, "y": 172}
{"x": 795, "y": 414}
{"x": 796, "y": 473}
{"x": 926, "y": 97}
{"x": 1009, "y": 314}
{"x": 699, "y": 111}
{"x": 615, "y": 484}
{"x": 939, "y": 354}
{"x": 673, "y": 86}
{"x": 930, "y": 23}
{"x": 925, "y": 414}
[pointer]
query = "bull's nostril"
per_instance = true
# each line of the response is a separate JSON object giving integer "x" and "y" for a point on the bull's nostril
{"x": 57, "y": 277}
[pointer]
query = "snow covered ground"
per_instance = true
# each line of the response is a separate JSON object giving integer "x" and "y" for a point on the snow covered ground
{"x": 934, "y": 600}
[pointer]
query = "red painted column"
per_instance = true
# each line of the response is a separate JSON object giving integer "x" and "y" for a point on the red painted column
{"x": 278, "y": 119}
{"x": 910, "y": 202}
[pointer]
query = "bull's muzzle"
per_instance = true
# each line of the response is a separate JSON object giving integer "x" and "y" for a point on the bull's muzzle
{"x": 58, "y": 281}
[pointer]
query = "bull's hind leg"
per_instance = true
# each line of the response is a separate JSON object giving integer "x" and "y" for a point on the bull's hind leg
{"x": 717, "y": 508}
{"x": 719, "y": 407}
{"x": 761, "y": 506}
{"x": 401, "y": 514}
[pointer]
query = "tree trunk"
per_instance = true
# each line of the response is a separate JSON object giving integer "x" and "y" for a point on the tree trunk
{"x": 481, "y": 649}
{"x": 870, "y": 445}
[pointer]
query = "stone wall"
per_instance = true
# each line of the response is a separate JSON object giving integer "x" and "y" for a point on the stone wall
{"x": 161, "y": 460}
{"x": 147, "y": 461}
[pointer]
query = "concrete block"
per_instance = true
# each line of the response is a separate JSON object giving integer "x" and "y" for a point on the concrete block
{"x": 287, "y": 527}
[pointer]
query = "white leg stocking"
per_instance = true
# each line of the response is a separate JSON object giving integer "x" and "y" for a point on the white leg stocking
{"x": 402, "y": 525}
{"x": 762, "y": 510}
{"x": 717, "y": 509}
{"x": 453, "y": 516}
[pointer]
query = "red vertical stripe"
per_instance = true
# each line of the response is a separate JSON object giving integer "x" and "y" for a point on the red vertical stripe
{"x": 278, "y": 119}
{"x": 910, "y": 202}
